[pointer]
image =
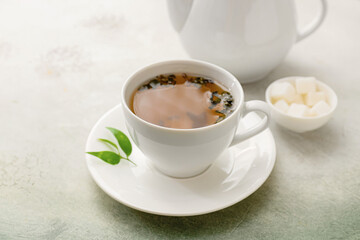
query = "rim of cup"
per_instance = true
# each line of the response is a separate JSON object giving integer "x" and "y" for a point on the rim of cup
{"x": 331, "y": 95}
{"x": 234, "y": 114}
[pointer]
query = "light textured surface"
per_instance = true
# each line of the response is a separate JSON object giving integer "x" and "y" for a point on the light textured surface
{"x": 62, "y": 65}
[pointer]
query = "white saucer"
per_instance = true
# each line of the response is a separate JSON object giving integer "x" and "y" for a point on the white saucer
{"x": 239, "y": 172}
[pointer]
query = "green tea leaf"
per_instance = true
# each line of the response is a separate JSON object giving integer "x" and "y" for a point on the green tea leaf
{"x": 107, "y": 156}
{"x": 109, "y": 142}
{"x": 123, "y": 140}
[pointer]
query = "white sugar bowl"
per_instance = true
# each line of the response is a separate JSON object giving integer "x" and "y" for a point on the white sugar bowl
{"x": 297, "y": 110}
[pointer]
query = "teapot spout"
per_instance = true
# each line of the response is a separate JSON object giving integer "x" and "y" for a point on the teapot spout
{"x": 178, "y": 12}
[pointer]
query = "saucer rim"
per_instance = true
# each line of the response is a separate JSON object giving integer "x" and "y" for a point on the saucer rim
{"x": 103, "y": 186}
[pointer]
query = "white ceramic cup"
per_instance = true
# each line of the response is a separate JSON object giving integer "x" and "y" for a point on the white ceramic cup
{"x": 188, "y": 152}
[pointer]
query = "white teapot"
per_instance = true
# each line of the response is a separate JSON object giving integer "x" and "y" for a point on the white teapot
{"x": 247, "y": 37}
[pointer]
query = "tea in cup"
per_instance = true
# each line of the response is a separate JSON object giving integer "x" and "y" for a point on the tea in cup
{"x": 182, "y": 101}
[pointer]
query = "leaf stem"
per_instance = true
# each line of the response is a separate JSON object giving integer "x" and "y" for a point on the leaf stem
{"x": 130, "y": 161}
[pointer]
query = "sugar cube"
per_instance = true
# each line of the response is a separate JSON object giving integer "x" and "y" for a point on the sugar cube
{"x": 282, "y": 105}
{"x": 320, "y": 108}
{"x": 299, "y": 99}
{"x": 305, "y": 85}
{"x": 310, "y": 113}
{"x": 283, "y": 90}
{"x": 298, "y": 110}
{"x": 314, "y": 97}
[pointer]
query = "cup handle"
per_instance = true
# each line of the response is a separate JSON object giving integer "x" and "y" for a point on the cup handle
{"x": 261, "y": 126}
{"x": 315, "y": 24}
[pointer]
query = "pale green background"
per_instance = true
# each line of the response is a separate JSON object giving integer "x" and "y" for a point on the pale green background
{"x": 62, "y": 64}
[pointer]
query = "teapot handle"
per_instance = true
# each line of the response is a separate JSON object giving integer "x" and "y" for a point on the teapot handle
{"x": 314, "y": 24}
